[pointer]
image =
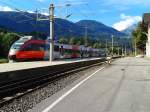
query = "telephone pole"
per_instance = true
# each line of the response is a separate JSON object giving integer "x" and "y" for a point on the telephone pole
{"x": 118, "y": 49}
{"x": 51, "y": 30}
{"x": 135, "y": 53}
{"x": 125, "y": 50}
{"x": 122, "y": 50}
{"x": 51, "y": 16}
{"x": 86, "y": 41}
{"x": 51, "y": 22}
{"x": 106, "y": 48}
{"x": 112, "y": 47}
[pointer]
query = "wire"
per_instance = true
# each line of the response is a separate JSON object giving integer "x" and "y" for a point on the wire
{"x": 24, "y": 20}
{"x": 4, "y": 3}
{"x": 22, "y": 12}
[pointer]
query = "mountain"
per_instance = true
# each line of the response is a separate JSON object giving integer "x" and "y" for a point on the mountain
{"x": 129, "y": 30}
{"x": 26, "y": 23}
{"x": 97, "y": 29}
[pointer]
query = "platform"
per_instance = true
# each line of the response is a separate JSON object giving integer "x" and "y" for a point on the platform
{"x": 122, "y": 87}
{"x": 28, "y": 65}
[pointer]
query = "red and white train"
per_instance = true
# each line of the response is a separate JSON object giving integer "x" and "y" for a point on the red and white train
{"x": 27, "y": 48}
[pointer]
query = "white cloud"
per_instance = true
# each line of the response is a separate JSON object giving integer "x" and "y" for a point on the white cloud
{"x": 5, "y": 8}
{"x": 45, "y": 13}
{"x": 126, "y": 21}
{"x": 30, "y": 11}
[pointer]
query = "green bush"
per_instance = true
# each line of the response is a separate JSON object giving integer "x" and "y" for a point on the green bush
{"x": 6, "y": 40}
{"x": 3, "y": 61}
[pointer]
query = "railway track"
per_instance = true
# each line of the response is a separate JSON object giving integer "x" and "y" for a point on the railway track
{"x": 15, "y": 89}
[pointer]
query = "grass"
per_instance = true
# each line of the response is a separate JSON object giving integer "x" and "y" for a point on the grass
{"x": 3, "y": 60}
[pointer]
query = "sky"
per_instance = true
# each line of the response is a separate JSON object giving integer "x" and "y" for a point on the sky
{"x": 119, "y": 14}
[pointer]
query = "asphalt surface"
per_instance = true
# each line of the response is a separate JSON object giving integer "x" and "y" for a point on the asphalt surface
{"x": 124, "y": 86}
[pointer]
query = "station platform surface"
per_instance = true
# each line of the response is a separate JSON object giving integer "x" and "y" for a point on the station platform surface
{"x": 28, "y": 65}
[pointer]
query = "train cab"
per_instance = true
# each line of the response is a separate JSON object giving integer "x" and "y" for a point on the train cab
{"x": 32, "y": 50}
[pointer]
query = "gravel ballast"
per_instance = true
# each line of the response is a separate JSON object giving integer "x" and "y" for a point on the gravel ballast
{"x": 30, "y": 100}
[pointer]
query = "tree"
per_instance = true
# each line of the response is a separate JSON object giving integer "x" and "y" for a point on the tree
{"x": 72, "y": 41}
{"x": 63, "y": 40}
{"x": 7, "y": 40}
{"x": 78, "y": 42}
{"x": 96, "y": 45}
{"x": 38, "y": 35}
{"x": 139, "y": 37}
{"x": 1, "y": 47}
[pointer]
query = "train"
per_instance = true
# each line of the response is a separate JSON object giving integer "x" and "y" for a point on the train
{"x": 29, "y": 49}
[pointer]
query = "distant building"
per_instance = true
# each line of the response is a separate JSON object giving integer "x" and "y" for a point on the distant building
{"x": 146, "y": 26}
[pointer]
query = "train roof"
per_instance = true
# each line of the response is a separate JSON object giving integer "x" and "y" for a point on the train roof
{"x": 30, "y": 39}
{"x": 26, "y": 37}
{"x": 95, "y": 50}
{"x": 66, "y": 46}
{"x": 23, "y": 39}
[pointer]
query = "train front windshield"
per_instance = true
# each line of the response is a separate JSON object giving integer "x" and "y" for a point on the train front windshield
{"x": 16, "y": 46}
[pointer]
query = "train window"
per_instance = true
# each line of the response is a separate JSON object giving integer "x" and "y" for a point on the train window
{"x": 35, "y": 47}
{"x": 16, "y": 46}
{"x": 62, "y": 50}
{"x": 78, "y": 51}
{"x": 46, "y": 46}
{"x": 41, "y": 47}
{"x": 38, "y": 47}
{"x": 56, "y": 48}
{"x": 69, "y": 50}
{"x": 27, "y": 48}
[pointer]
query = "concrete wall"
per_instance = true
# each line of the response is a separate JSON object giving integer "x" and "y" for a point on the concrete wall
{"x": 14, "y": 76}
{"x": 148, "y": 49}
{"x": 148, "y": 44}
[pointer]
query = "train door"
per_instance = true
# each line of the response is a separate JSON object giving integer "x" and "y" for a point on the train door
{"x": 46, "y": 53}
{"x": 61, "y": 51}
{"x": 75, "y": 51}
{"x": 34, "y": 51}
{"x": 38, "y": 51}
{"x": 56, "y": 51}
{"x": 25, "y": 53}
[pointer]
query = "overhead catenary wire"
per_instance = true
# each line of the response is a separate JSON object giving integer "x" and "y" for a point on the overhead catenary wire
{"x": 22, "y": 12}
{"x": 25, "y": 13}
{"x": 18, "y": 10}
{"x": 24, "y": 20}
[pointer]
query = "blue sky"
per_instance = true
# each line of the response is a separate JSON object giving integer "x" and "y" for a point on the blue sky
{"x": 119, "y": 14}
